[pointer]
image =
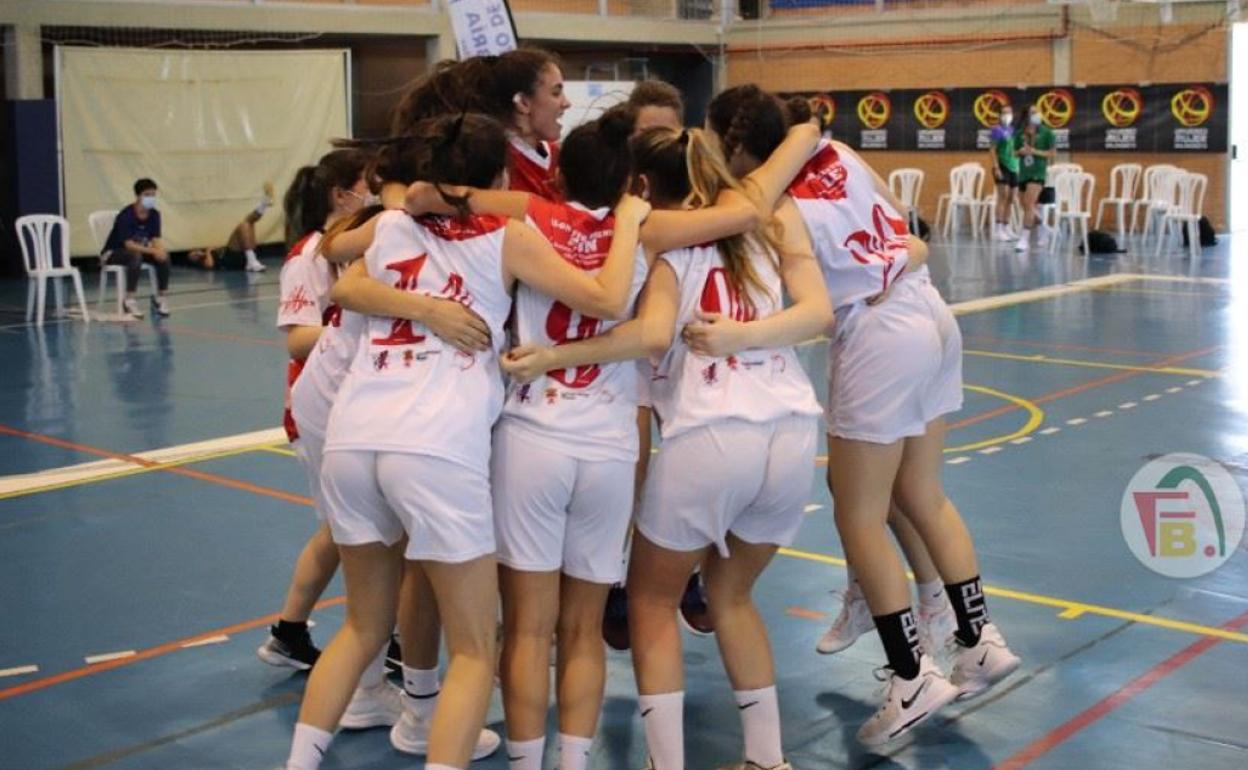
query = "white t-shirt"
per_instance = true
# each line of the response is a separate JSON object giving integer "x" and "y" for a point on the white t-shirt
{"x": 760, "y": 385}
{"x": 407, "y": 391}
{"x": 860, "y": 239}
{"x": 589, "y": 411}
{"x": 312, "y": 395}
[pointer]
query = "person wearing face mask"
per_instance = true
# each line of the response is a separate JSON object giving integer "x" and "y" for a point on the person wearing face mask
{"x": 1034, "y": 146}
{"x": 135, "y": 239}
{"x": 1005, "y": 172}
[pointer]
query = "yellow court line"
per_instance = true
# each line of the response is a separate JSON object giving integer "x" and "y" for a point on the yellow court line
{"x": 135, "y": 471}
{"x": 1043, "y": 359}
{"x": 1070, "y": 609}
{"x": 1126, "y": 290}
{"x": 277, "y": 449}
{"x": 1035, "y": 417}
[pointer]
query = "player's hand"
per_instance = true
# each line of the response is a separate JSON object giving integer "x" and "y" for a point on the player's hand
{"x": 458, "y": 326}
{"x": 526, "y": 363}
{"x": 715, "y": 335}
{"x": 632, "y": 208}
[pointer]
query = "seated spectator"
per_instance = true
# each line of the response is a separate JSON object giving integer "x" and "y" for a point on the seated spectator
{"x": 135, "y": 239}
{"x": 240, "y": 247}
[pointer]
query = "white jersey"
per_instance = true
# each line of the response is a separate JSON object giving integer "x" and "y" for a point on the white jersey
{"x": 860, "y": 239}
{"x": 589, "y": 411}
{"x": 760, "y": 385}
{"x": 313, "y": 393}
{"x": 304, "y": 287}
{"x": 407, "y": 390}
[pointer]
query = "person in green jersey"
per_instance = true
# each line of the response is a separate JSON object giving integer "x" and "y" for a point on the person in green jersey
{"x": 1004, "y": 171}
{"x": 1034, "y": 146}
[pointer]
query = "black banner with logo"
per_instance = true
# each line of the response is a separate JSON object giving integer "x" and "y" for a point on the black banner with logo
{"x": 1180, "y": 117}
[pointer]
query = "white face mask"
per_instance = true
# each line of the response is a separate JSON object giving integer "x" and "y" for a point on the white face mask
{"x": 370, "y": 199}
{"x": 148, "y": 202}
{"x": 1036, "y": 119}
{"x": 1007, "y": 118}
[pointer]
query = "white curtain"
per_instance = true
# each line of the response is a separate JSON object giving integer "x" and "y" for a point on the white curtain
{"x": 210, "y": 127}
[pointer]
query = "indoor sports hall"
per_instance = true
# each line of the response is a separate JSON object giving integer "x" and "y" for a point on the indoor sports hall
{"x": 1070, "y": 171}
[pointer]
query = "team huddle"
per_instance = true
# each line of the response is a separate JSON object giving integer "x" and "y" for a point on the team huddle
{"x": 484, "y": 322}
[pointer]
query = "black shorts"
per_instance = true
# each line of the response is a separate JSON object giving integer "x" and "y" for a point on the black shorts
{"x": 1006, "y": 177}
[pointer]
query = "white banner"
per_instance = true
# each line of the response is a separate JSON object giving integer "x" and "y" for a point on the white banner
{"x": 482, "y": 27}
{"x": 210, "y": 127}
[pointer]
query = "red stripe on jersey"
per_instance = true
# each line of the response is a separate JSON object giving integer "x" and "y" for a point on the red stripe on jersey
{"x": 576, "y": 235}
{"x": 528, "y": 176}
{"x": 294, "y": 368}
{"x": 297, "y": 249}
{"x": 459, "y": 229}
{"x": 823, "y": 177}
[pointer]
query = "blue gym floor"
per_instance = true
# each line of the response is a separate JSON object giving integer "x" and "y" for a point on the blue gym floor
{"x": 181, "y": 562}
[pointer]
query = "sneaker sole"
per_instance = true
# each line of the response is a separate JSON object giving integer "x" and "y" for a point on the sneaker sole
{"x": 421, "y": 748}
{"x": 902, "y": 732}
{"x": 822, "y": 651}
{"x": 281, "y": 661}
{"x": 987, "y": 683}
{"x": 367, "y": 721}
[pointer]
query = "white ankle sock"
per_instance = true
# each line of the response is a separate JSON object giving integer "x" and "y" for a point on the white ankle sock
{"x": 574, "y": 752}
{"x": 932, "y": 593}
{"x": 760, "y": 721}
{"x": 252, "y": 259}
{"x": 308, "y": 747}
{"x": 525, "y": 755}
{"x": 663, "y": 716}
{"x": 421, "y": 687}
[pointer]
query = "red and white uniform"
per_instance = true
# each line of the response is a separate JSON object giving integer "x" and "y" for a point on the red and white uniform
{"x": 566, "y": 447}
{"x": 408, "y": 446}
{"x": 534, "y": 171}
{"x": 313, "y": 393}
{"x": 896, "y": 365}
{"x": 304, "y": 286}
{"x": 738, "y": 432}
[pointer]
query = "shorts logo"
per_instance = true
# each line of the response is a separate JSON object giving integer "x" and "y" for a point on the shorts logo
{"x": 1192, "y": 106}
{"x": 875, "y": 109}
{"x": 1056, "y": 107}
{"x": 988, "y": 105}
{"x": 1122, "y": 108}
{"x": 1182, "y": 515}
{"x": 932, "y": 109}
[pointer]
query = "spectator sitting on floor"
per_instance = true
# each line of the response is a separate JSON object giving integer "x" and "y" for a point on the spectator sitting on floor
{"x": 135, "y": 239}
{"x": 242, "y": 241}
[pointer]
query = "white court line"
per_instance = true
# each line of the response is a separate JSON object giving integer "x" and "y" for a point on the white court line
{"x": 1050, "y": 431}
{"x": 957, "y": 460}
{"x": 1152, "y": 397}
{"x": 18, "y": 671}
{"x": 1194, "y": 382}
{"x": 992, "y": 450}
{"x": 207, "y": 641}
{"x": 1077, "y": 421}
{"x": 93, "y": 659}
{"x": 1104, "y": 413}
{"x": 1022, "y": 440}
{"x": 97, "y": 468}
{"x": 1175, "y": 389}
{"x": 1045, "y": 292}
{"x": 1128, "y": 405}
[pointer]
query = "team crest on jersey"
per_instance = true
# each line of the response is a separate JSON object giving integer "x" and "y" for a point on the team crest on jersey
{"x": 297, "y": 300}
{"x": 822, "y": 178}
{"x": 461, "y": 229}
{"x": 885, "y": 244}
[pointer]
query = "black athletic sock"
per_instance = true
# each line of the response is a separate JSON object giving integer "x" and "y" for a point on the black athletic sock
{"x": 900, "y": 635}
{"x": 288, "y": 630}
{"x": 968, "y": 602}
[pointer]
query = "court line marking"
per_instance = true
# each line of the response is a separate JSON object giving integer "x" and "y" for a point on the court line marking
{"x": 1114, "y": 700}
{"x": 152, "y": 652}
{"x": 92, "y": 660}
{"x": 178, "y": 308}
{"x": 18, "y": 671}
{"x": 182, "y": 453}
{"x": 1066, "y": 605}
{"x": 1035, "y": 417}
{"x": 1039, "y": 358}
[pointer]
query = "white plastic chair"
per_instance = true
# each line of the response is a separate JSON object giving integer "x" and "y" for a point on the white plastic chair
{"x": 1163, "y": 198}
{"x": 1146, "y": 192}
{"x": 966, "y": 184}
{"x": 1074, "y": 208}
{"x": 1051, "y": 212}
{"x": 35, "y": 233}
{"x": 906, "y": 184}
{"x": 1123, "y": 180}
{"x": 1186, "y": 213}
{"x": 101, "y": 224}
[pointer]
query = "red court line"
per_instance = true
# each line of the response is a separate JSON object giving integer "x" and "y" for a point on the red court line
{"x": 1059, "y": 346}
{"x": 802, "y": 612}
{"x": 152, "y": 652}
{"x": 1074, "y": 390}
{"x": 1112, "y": 701}
{"x": 191, "y": 473}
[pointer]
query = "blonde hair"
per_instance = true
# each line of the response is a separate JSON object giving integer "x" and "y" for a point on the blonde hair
{"x": 687, "y": 170}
